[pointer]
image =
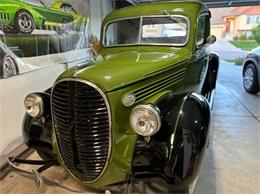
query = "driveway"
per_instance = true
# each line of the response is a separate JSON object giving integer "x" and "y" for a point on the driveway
{"x": 232, "y": 161}
{"x": 227, "y": 51}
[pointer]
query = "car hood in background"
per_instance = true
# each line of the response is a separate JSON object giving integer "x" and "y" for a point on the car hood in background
{"x": 116, "y": 70}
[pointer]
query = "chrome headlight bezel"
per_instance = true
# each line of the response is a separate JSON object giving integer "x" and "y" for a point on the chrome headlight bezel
{"x": 147, "y": 110}
{"x": 37, "y": 101}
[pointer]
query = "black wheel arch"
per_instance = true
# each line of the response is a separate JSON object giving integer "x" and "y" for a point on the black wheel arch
{"x": 212, "y": 74}
{"x": 17, "y": 13}
{"x": 37, "y": 132}
{"x": 175, "y": 153}
{"x": 22, "y": 10}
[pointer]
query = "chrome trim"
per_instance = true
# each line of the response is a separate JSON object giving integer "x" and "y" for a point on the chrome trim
{"x": 110, "y": 124}
{"x": 154, "y": 110}
{"x": 139, "y": 38}
{"x": 39, "y": 100}
{"x": 127, "y": 95}
{"x": 140, "y": 30}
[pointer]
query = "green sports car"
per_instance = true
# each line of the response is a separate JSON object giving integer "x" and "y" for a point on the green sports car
{"x": 17, "y": 16}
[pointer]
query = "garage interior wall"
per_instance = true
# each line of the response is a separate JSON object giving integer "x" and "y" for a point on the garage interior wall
{"x": 16, "y": 88}
{"x": 99, "y": 9}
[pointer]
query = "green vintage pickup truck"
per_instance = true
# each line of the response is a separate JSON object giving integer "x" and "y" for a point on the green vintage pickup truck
{"x": 137, "y": 119}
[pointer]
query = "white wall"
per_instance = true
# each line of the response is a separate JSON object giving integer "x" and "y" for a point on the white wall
{"x": 98, "y": 10}
{"x": 13, "y": 91}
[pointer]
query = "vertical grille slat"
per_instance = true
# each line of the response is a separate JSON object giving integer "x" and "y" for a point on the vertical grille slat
{"x": 82, "y": 127}
{"x": 4, "y": 16}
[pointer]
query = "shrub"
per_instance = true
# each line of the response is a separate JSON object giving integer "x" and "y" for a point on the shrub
{"x": 256, "y": 34}
{"x": 243, "y": 37}
{"x": 251, "y": 37}
{"x": 236, "y": 38}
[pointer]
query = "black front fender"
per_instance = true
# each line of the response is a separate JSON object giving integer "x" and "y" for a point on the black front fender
{"x": 37, "y": 131}
{"x": 175, "y": 153}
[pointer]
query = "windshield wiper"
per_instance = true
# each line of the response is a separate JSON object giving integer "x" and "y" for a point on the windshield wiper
{"x": 170, "y": 16}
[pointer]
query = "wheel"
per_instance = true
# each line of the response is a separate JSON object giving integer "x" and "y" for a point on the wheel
{"x": 24, "y": 22}
{"x": 9, "y": 67}
{"x": 250, "y": 79}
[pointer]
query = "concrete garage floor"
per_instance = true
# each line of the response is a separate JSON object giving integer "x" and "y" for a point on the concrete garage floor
{"x": 232, "y": 163}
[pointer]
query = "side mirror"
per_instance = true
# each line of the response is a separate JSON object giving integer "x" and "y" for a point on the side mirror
{"x": 211, "y": 39}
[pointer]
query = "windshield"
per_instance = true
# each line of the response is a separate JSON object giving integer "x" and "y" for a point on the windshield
{"x": 68, "y": 8}
{"x": 163, "y": 30}
{"x": 37, "y": 3}
{"x": 256, "y": 50}
{"x": 33, "y": 2}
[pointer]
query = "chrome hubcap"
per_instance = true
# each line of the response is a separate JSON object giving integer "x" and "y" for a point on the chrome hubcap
{"x": 25, "y": 22}
{"x": 9, "y": 68}
{"x": 248, "y": 78}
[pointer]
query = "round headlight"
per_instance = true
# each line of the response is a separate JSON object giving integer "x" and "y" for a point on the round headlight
{"x": 33, "y": 104}
{"x": 145, "y": 120}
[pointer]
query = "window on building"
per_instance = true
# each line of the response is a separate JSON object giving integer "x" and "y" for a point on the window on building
{"x": 254, "y": 19}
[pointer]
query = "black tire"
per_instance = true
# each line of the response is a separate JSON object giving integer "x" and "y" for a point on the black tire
{"x": 14, "y": 67}
{"x": 250, "y": 79}
{"x": 24, "y": 22}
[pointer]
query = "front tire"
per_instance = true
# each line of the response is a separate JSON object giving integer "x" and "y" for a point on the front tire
{"x": 9, "y": 67}
{"x": 250, "y": 79}
{"x": 24, "y": 22}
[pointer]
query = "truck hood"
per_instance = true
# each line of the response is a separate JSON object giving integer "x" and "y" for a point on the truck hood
{"x": 115, "y": 70}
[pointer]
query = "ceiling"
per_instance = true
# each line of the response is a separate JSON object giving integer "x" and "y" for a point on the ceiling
{"x": 212, "y": 3}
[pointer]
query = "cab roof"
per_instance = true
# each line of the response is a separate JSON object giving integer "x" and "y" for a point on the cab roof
{"x": 186, "y": 8}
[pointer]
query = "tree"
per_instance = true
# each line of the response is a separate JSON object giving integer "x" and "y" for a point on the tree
{"x": 256, "y": 33}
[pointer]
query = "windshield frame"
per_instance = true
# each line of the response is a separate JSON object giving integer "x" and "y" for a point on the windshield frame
{"x": 140, "y": 31}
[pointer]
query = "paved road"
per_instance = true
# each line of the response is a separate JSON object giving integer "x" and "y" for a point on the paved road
{"x": 227, "y": 51}
{"x": 232, "y": 161}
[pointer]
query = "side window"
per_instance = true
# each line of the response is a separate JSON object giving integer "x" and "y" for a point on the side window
{"x": 201, "y": 28}
{"x": 68, "y": 8}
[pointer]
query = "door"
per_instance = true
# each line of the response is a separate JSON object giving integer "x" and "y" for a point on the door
{"x": 53, "y": 15}
{"x": 201, "y": 52}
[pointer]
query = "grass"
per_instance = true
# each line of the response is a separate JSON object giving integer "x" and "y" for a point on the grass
{"x": 247, "y": 45}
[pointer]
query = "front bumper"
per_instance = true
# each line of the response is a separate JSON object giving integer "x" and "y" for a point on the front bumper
{"x": 170, "y": 161}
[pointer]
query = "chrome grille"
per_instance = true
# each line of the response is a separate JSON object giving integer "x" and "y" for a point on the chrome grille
{"x": 81, "y": 120}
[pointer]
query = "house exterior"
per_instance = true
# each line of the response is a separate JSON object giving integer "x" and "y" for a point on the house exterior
{"x": 233, "y": 22}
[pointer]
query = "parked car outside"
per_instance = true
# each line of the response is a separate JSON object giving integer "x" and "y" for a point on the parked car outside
{"x": 251, "y": 71}
{"x": 18, "y": 16}
{"x": 137, "y": 119}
